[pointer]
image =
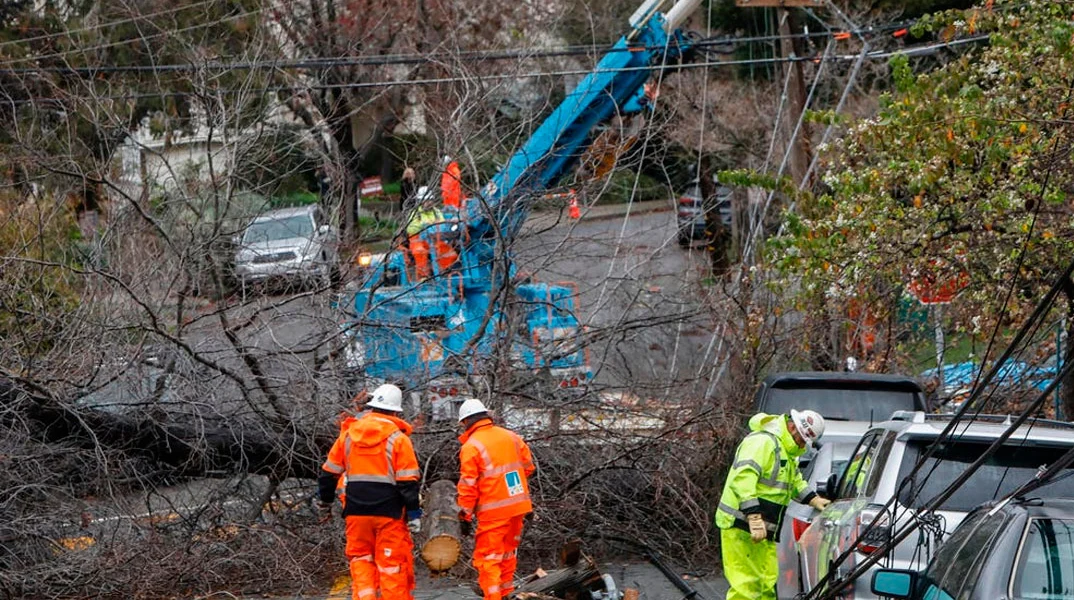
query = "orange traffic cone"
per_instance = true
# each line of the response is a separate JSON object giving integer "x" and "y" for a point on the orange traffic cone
{"x": 574, "y": 212}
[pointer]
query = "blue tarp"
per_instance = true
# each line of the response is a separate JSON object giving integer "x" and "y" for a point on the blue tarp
{"x": 961, "y": 376}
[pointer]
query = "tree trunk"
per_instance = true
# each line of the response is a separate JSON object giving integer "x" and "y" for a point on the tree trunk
{"x": 440, "y": 527}
{"x": 717, "y": 235}
{"x": 190, "y": 449}
{"x": 1066, "y": 386}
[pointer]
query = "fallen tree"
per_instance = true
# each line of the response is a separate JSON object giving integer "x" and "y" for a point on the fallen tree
{"x": 188, "y": 449}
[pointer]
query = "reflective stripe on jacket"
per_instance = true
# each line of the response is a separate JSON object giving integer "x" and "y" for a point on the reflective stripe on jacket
{"x": 764, "y": 477}
{"x": 376, "y": 460}
{"x": 494, "y": 469}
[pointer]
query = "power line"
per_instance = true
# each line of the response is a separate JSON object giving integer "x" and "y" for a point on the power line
{"x": 914, "y": 51}
{"x": 402, "y": 59}
{"x": 900, "y": 28}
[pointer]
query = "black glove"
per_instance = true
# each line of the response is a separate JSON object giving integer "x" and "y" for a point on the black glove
{"x": 466, "y": 528}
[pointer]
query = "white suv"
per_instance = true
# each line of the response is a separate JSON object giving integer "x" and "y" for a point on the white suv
{"x": 880, "y": 468}
{"x": 288, "y": 244}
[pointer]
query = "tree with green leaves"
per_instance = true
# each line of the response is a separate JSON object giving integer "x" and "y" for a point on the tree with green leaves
{"x": 964, "y": 173}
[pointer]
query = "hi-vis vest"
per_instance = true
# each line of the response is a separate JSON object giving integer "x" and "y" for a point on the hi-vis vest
{"x": 764, "y": 477}
{"x": 377, "y": 463}
{"x": 494, "y": 469}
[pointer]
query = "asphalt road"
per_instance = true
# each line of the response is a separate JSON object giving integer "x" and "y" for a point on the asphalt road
{"x": 642, "y": 576}
{"x": 639, "y": 293}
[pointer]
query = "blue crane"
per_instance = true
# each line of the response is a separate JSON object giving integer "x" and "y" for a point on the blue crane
{"x": 436, "y": 334}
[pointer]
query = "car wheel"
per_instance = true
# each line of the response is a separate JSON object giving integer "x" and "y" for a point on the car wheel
{"x": 684, "y": 240}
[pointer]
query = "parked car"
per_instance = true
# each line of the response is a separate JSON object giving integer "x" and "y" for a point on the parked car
{"x": 851, "y": 403}
{"x": 294, "y": 245}
{"x": 1018, "y": 549}
{"x": 691, "y": 213}
{"x": 880, "y": 469}
{"x": 837, "y": 396}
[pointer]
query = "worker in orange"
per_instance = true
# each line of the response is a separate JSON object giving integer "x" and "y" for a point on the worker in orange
{"x": 451, "y": 183}
{"x": 425, "y": 215}
{"x": 345, "y": 419}
{"x": 382, "y": 510}
{"x": 494, "y": 470}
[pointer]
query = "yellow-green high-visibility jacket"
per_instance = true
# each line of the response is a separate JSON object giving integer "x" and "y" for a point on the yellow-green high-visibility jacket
{"x": 764, "y": 477}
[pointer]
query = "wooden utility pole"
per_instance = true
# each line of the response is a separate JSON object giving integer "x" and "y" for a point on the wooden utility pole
{"x": 798, "y": 146}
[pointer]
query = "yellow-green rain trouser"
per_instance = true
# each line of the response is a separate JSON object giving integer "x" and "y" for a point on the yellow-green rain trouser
{"x": 751, "y": 568}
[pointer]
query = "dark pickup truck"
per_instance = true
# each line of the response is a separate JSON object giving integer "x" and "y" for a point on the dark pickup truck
{"x": 840, "y": 396}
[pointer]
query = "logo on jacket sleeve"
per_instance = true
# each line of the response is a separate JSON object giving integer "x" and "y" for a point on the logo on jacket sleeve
{"x": 514, "y": 483}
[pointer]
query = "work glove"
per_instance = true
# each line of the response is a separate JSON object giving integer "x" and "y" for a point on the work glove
{"x": 324, "y": 511}
{"x": 819, "y": 503}
{"x": 466, "y": 528}
{"x": 757, "y": 529}
{"x": 413, "y": 521}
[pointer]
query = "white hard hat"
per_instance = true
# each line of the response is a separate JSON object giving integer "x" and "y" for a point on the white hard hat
{"x": 471, "y": 407}
{"x": 423, "y": 194}
{"x": 387, "y": 397}
{"x": 809, "y": 424}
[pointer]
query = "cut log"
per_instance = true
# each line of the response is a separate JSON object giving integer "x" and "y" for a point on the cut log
{"x": 440, "y": 527}
{"x": 563, "y": 583}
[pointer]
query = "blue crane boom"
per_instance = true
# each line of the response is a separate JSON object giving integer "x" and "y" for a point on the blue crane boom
{"x": 434, "y": 332}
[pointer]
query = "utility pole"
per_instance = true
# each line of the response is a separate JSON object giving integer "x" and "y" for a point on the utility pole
{"x": 798, "y": 146}
{"x": 798, "y": 149}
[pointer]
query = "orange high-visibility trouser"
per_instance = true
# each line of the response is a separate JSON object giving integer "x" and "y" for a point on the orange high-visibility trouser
{"x": 419, "y": 251}
{"x": 379, "y": 550}
{"x": 495, "y": 555}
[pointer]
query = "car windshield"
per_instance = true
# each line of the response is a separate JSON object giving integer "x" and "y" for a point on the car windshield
{"x": 840, "y": 404}
{"x": 285, "y": 228}
{"x": 1009, "y": 468}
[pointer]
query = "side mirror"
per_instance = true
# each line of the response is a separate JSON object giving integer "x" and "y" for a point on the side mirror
{"x": 829, "y": 487}
{"x": 894, "y": 583}
{"x": 323, "y": 230}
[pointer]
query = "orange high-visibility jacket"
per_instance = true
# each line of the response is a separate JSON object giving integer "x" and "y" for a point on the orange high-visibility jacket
{"x": 494, "y": 469}
{"x": 451, "y": 185}
{"x": 375, "y": 457}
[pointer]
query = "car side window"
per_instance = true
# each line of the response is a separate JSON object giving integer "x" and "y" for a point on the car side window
{"x": 1046, "y": 562}
{"x": 878, "y": 463}
{"x": 959, "y": 561}
{"x": 854, "y": 474}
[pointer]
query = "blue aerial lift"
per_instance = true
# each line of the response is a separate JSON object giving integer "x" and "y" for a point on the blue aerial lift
{"x": 436, "y": 335}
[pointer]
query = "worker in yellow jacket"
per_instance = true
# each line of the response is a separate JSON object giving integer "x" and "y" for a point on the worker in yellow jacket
{"x": 763, "y": 480}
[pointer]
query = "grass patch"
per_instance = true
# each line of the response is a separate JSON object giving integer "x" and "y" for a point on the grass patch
{"x": 370, "y": 229}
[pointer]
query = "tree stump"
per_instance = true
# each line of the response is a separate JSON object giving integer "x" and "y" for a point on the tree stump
{"x": 440, "y": 527}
